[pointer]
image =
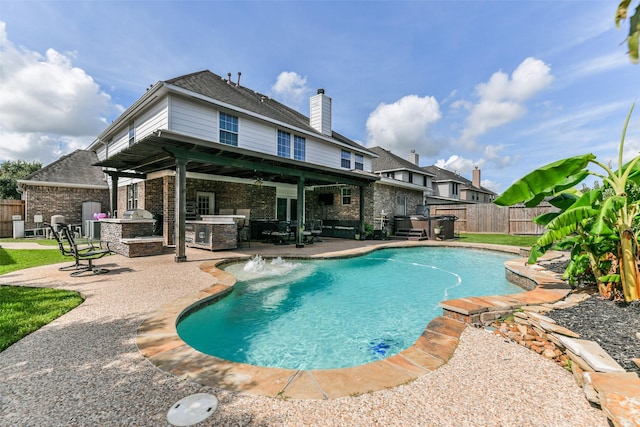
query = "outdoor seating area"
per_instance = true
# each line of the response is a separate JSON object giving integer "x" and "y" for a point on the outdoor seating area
{"x": 83, "y": 255}
{"x": 285, "y": 232}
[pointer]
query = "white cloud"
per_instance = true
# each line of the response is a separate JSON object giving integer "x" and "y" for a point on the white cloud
{"x": 460, "y": 165}
{"x": 402, "y": 126}
{"x": 501, "y": 99}
{"x": 291, "y": 88}
{"x": 494, "y": 157}
{"x": 491, "y": 185}
{"x": 44, "y": 148}
{"x": 47, "y": 105}
{"x": 598, "y": 65}
{"x": 490, "y": 162}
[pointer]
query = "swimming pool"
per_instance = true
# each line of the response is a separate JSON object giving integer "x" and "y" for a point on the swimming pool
{"x": 326, "y": 314}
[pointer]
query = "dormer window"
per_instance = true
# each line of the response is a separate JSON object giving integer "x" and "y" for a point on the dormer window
{"x": 228, "y": 129}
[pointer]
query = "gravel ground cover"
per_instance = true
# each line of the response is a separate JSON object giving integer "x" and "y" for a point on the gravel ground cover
{"x": 611, "y": 324}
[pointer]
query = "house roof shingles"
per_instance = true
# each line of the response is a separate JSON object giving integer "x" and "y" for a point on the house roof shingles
{"x": 73, "y": 168}
{"x": 388, "y": 161}
{"x": 446, "y": 175}
{"x": 216, "y": 87}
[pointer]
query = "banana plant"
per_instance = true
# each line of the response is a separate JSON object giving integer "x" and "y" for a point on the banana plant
{"x": 596, "y": 225}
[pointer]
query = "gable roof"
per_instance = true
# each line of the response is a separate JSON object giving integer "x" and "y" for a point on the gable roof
{"x": 387, "y": 161}
{"x": 446, "y": 175}
{"x": 75, "y": 169}
{"x": 214, "y": 86}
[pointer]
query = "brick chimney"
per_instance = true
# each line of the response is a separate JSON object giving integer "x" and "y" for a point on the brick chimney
{"x": 414, "y": 158}
{"x": 320, "y": 108}
{"x": 475, "y": 179}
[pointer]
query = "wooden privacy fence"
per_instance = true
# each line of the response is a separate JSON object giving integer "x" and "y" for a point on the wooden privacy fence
{"x": 8, "y": 208}
{"x": 490, "y": 218}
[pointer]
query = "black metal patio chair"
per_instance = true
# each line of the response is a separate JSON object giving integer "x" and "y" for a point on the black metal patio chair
{"x": 83, "y": 255}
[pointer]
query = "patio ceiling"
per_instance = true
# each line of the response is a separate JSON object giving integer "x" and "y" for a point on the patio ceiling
{"x": 160, "y": 150}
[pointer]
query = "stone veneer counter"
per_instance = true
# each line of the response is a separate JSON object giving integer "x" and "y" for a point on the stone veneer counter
{"x": 212, "y": 233}
{"x": 122, "y": 234}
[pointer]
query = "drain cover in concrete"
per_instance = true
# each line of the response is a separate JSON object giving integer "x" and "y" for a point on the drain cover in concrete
{"x": 192, "y": 409}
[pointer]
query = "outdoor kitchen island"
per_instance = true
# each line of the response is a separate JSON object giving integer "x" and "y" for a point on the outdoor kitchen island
{"x": 132, "y": 235}
{"x": 213, "y": 232}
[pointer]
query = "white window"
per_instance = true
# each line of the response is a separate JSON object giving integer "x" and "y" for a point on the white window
{"x": 205, "y": 203}
{"x": 132, "y": 134}
{"x": 345, "y": 159}
{"x": 299, "y": 149}
{"x": 228, "y": 129}
{"x": 359, "y": 162}
{"x": 284, "y": 144}
{"x": 345, "y": 194}
{"x": 132, "y": 196}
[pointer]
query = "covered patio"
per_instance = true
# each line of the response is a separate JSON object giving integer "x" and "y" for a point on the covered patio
{"x": 166, "y": 150}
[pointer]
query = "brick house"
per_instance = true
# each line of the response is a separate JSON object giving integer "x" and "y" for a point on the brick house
{"x": 199, "y": 143}
{"x": 62, "y": 187}
{"x": 403, "y": 185}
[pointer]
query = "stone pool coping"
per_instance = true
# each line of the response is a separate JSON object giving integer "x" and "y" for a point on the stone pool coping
{"x": 158, "y": 341}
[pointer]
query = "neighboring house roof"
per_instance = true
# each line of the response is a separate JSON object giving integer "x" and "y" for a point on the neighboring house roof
{"x": 387, "y": 161}
{"x": 446, "y": 175}
{"x": 74, "y": 169}
{"x": 211, "y": 85}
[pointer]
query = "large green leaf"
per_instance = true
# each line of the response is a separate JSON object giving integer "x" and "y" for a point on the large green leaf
{"x": 545, "y": 181}
{"x": 609, "y": 212}
{"x": 545, "y": 218}
{"x": 555, "y": 235}
{"x": 634, "y": 173}
{"x": 564, "y": 200}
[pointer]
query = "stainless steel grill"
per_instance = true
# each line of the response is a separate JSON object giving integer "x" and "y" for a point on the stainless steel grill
{"x": 137, "y": 214}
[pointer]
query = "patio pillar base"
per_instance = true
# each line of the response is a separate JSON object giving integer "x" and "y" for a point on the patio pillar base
{"x": 299, "y": 245}
{"x": 182, "y": 258}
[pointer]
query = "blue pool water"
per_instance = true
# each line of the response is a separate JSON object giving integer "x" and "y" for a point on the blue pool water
{"x": 326, "y": 314}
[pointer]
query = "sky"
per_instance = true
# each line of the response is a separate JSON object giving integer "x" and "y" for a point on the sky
{"x": 505, "y": 86}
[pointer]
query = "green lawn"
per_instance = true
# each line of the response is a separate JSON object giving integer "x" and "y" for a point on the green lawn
{"x": 498, "y": 239}
{"x": 24, "y": 310}
{"x": 18, "y": 259}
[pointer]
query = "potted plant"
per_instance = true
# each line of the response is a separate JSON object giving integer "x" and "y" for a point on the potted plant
{"x": 368, "y": 231}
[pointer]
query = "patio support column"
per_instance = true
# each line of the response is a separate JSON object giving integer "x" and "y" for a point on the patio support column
{"x": 114, "y": 196}
{"x": 300, "y": 214}
{"x": 361, "y": 187}
{"x": 181, "y": 208}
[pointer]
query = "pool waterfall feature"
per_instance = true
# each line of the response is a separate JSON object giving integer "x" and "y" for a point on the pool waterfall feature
{"x": 327, "y": 314}
{"x": 158, "y": 341}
